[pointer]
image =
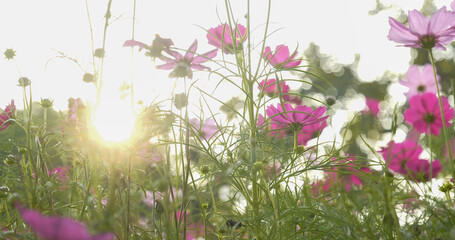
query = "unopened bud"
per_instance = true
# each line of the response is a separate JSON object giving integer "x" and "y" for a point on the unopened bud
{"x": 99, "y": 53}
{"x": 180, "y": 101}
{"x": 47, "y": 103}
{"x": 88, "y": 78}
{"x": 9, "y": 54}
{"x": 24, "y": 82}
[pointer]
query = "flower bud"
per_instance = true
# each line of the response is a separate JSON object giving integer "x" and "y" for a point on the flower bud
{"x": 99, "y": 53}
{"x": 10, "y": 160}
{"x": 205, "y": 205}
{"x": 205, "y": 169}
{"x": 180, "y": 101}
{"x": 4, "y": 190}
{"x": 24, "y": 82}
{"x": 23, "y": 150}
{"x": 330, "y": 100}
{"x": 88, "y": 78}
{"x": 9, "y": 54}
{"x": 47, "y": 103}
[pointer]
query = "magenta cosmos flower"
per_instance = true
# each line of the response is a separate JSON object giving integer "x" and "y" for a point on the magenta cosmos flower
{"x": 158, "y": 45}
{"x": 420, "y": 170}
{"x": 348, "y": 174}
{"x": 182, "y": 65}
{"x": 425, "y": 114}
{"x": 372, "y": 106}
{"x": 270, "y": 87}
{"x": 423, "y": 32}
{"x": 280, "y": 57}
{"x": 57, "y": 228}
{"x": 310, "y": 131}
{"x": 419, "y": 80}
{"x": 297, "y": 117}
{"x": 221, "y": 37}
{"x": 60, "y": 173}
{"x": 398, "y": 154}
{"x": 7, "y": 114}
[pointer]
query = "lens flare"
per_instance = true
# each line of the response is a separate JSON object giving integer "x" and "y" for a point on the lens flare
{"x": 114, "y": 122}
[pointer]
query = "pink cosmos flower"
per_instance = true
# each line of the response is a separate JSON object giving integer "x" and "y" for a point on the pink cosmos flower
{"x": 290, "y": 98}
{"x": 57, "y": 228}
{"x": 347, "y": 173}
{"x": 280, "y": 58}
{"x": 147, "y": 153}
{"x": 398, "y": 154}
{"x": 260, "y": 121}
{"x": 221, "y": 37}
{"x": 158, "y": 45}
{"x": 372, "y": 106}
{"x": 423, "y": 32}
{"x": 7, "y": 114}
{"x": 270, "y": 87}
{"x": 425, "y": 115}
{"x": 182, "y": 65}
{"x": 206, "y": 130}
{"x": 420, "y": 171}
{"x": 420, "y": 80}
{"x": 310, "y": 131}
{"x": 295, "y": 118}
{"x": 60, "y": 173}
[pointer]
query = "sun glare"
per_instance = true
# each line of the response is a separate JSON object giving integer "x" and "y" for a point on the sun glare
{"x": 114, "y": 124}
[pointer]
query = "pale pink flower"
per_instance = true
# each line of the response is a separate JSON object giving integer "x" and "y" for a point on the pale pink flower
{"x": 221, "y": 37}
{"x": 270, "y": 87}
{"x": 7, "y": 114}
{"x": 158, "y": 45}
{"x": 297, "y": 117}
{"x": 398, "y": 154}
{"x": 150, "y": 198}
{"x": 182, "y": 65}
{"x": 57, "y": 228}
{"x": 206, "y": 130}
{"x": 420, "y": 170}
{"x": 425, "y": 114}
{"x": 420, "y": 80}
{"x": 452, "y": 5}
{"x": 147, "y": 153}
{"x": 281, "y": 58}
{"x": 372, "y": 106}
{"x": 424, "y": 32}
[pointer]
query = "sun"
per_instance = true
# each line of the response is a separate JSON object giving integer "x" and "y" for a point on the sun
{"x": 114, "y": 122}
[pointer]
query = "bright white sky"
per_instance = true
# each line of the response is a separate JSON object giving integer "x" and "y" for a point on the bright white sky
{"x": 37, "y": 29}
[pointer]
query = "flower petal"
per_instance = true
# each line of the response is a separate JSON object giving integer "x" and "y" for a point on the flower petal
{"x": 418, "y": 23}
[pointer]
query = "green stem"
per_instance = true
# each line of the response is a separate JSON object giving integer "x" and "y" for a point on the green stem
{"x": 444, "y": 127}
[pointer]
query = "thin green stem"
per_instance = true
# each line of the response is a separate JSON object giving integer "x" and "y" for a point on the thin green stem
{"x": 444, "y": 127}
